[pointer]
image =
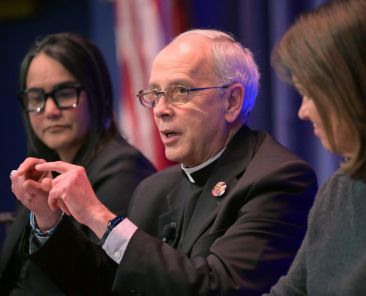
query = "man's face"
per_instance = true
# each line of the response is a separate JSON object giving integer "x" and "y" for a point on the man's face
{"x": 195, "y": 131}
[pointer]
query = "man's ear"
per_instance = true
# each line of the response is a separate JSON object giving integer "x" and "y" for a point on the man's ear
{"x": 234, "y": 102}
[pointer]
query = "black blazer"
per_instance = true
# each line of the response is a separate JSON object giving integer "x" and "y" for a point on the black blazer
{"x": 236, "y": 244}
{"x": 114, "y": 172}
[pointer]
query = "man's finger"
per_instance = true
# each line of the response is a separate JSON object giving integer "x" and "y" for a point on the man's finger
{"x": 56, "y": 166}
{"x": 30, "y": 184}
{"x": 28, "y": 164}
{"x": 46, "y": 184}
{"x": 63, "y": 207}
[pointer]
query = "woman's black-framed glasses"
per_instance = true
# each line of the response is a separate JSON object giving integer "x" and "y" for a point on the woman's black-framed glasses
{"x": 65, "y": 96}
{"x": 174, "y": 94}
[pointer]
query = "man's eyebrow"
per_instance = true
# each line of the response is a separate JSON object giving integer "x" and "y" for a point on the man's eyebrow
{"x": 184, "y": 82}
{"x": 153, "y": 86}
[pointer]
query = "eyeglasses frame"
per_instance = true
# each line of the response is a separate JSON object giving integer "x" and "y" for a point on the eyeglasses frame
{"x": 78, "y": 87}
{"x": 158, "y": 93}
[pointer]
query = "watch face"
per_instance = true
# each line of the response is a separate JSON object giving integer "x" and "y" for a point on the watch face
{"x": 115, "y": 221}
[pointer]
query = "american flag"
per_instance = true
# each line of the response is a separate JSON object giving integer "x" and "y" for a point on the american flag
{"x": 143, "y": 28}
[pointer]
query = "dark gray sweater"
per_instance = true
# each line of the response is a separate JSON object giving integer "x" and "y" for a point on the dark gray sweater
{"x": 332, "y": 258}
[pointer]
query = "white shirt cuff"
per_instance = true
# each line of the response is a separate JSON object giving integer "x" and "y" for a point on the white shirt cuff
{"x": 117, "y": 241}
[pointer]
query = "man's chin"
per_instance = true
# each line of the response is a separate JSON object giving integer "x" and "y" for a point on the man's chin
{"x": 172, "y": 155}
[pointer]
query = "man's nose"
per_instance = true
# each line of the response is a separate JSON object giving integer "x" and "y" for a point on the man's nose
{"x": 162, "y": 107}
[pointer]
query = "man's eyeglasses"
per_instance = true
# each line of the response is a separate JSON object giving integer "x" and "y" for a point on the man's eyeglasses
{"x": 175, "y": 95}
{"x": 65, "y": 96}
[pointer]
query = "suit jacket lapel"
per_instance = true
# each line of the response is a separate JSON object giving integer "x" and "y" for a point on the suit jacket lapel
{"x": 173, "y": 218}
{"x": 229, "y": 167}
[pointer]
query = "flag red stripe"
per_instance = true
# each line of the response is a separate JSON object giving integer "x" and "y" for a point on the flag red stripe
{"x": 143, "y": 27}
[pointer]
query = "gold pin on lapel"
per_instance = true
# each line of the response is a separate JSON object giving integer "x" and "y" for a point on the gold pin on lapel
{"x": 219, "y": 189}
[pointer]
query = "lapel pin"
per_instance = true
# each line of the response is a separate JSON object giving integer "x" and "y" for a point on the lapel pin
{"x": 219, "y": 189}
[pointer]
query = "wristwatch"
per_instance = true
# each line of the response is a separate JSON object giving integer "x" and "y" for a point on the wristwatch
{"x": 115, "y": 221}
{"x": 111, "y": 224}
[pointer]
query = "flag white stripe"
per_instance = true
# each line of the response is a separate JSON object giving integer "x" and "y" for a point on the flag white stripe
{"x": 140, "y": 35}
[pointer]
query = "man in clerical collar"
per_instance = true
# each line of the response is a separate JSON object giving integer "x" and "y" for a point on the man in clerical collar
{"x": 230, "y": 226}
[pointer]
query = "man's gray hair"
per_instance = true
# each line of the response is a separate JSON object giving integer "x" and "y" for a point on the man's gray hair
{"x": 232, "y": 62}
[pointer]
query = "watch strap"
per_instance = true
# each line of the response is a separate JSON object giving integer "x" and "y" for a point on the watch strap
{"x": 111, "y": 224}
{"x": 115, "y": 221}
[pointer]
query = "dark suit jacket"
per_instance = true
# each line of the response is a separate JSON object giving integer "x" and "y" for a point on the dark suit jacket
{"x": 236, "y": 244}
{"x": 114, "y": 173}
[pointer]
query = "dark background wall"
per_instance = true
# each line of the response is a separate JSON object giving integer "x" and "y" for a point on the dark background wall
{"x": 257, "y": 23}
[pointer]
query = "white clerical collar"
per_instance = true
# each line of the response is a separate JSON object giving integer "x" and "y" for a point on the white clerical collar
{"x": 190, "y": 171}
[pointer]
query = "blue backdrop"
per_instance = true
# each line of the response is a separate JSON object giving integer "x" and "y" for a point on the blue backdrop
{"x": 258, "y": 24}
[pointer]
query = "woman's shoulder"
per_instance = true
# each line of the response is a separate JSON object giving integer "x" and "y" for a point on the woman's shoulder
{"x": 339, "y": 191}
{"x": 117, "y": 148}
{"x": 117, "y": 144}
{"x": 117, "y": 155}
{"x": 337, "y": 183}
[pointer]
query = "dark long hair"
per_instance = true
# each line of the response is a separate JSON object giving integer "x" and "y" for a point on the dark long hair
{"x": 86, "y": 63}
{"x": 325, "y": 50}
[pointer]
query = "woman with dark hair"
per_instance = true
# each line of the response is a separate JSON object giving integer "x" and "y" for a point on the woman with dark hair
{"x": 324, "y": 53}
{"x": 67, "y": 104}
